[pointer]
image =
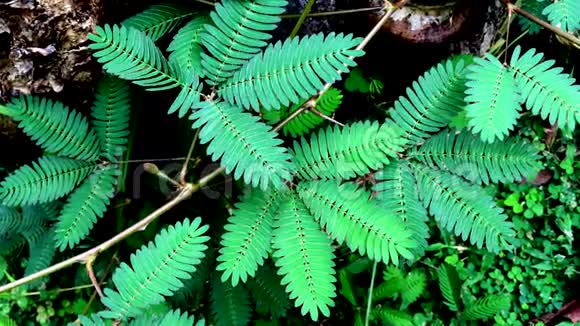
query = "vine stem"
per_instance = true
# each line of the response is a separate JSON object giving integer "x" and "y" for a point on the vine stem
{"x": 568, "y": 36}
{"x": 302, "y": 18}
{"x": 370, "y": 299}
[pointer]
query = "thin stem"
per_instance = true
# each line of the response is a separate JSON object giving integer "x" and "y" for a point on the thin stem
{"x": 184, "y": 194}
{"x": 332, "y": 13}
{"x": 205, "y": 2}
{"x": 370, "y": 299}
{"x": 325, "y": 117}
{"x": 507, "y": 36}
{"x": 29, "y": 294}
{"x": 105, "y": 274}
{"x": 183, "y": 171}
{"x": 300, "y": 21}
{"x": 91, "y": 272}
{"x": 171, "y": 159}
{"x": 568, "y": 36}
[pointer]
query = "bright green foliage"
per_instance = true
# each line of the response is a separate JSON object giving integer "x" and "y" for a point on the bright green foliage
{"x": 415, "y": 284}
{"x": 494, "y": 102}
{"x": 230, "y": 305}
{"x": 268, "y": 293}
{"x": 158, "y": 20}
{"x": 172, "y": 318}
{"x": 326, "y": 104}
{"x": 157, "y": 270}
{"x": 304, "y": 256}
{"x": 93, "y": 320}
{"x": 435, "y": 98}
{"x": 110, "y": 115}
{"x": 486, "y": 307}
{"x": 242, "y": 29}
{"x": 349, "y": 216}
{"x": 84, "y": 206}
{"x": 346, "y": 152}
{"x": 478, "y": 161}
{"x": 450, "y": 286}
{"x": 40, "y": 257}
{"x": 54, "y": 127}
{"x": 6, "y": 321}
{"x": 48, "y": 179}
{"x": 564, "y": 14}
{"x": 548, "y": 92}
{"x": 186, "y": 46}
{"x": 131, "y": 55}
{"x": 287, "y": 72}
{"x": 410, "y": 286}
{"x": 3, "y": 267}
{"x": 194, "y": 289}
{"x": 247, "y": 240}
{"x": 249, "y": 147}
{"x": 397, "y": 192}
{"x": 464, "y": 209}
{"x": 389, "y": 316}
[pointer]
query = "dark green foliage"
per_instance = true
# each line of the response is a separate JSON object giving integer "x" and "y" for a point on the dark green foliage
{"x": 535, "y": 7}
{"x": 392, "y": 317}
{"x": 172, "y": 318}
{"x": 230, "y": 305}
{"x": 40, "y": 257}
{"x": 304, "y": 257}
{"x": 247, "y": 240}
{"x": 249, "y": 147}
{"x": 158, "y": 20}
{"x": 308, "y": 64}
{"x": 450, "y": 286}
{"x": 156, "y": 271}
{"x": 478, "y": 161}
{"x": 268, "y": 293}
{"x": 48, "y": 179}
{"x": 242, "y": 29}
{"x": 346, "y": 152}
{"x": 54, "y": 127}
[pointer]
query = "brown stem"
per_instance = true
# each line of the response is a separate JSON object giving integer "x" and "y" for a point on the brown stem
{"x": 105, "y": 274}
{"x": 183, "y": 172}
{"x": 91, "y": 272}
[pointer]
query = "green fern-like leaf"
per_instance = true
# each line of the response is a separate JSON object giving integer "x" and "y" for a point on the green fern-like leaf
{"x": 156, "y": 270}
{"x": 241, "y": 29}
{"x": 172, "y": 318}
{"x": 158, "y": 20}
{"x": 48, "y": 179}
{"x": 3, "y": 267}
{"x": 307, "y": 65}
{"x": 92, "y": 320}
{"x": 7, "y": 321}
{"x": 392, "y": 317}
{"x": 415, "y": 284}
{"x": 303, "y": 254}
{"x": 346, "y": 152}
{"x": 432, "y": 101}
{"x": 40, "y": 257}
{"x": 494, "y": 100}
{"x": 110, "y": 115}
{"x": 247, "y": 240}
{"x": 306, "y": 121}
{"x": 486, "y": 307}
{"x": 130, "y": 54}
{"x": 194, "y": 288}
{"x": 247, "y": 147}
{"x": 268, "y": 293}
{"x": 230, "y": 305}
{"x": 393, "y": 285}
{"x": 450, "y": 286}
{"x": 84, "y": 206}
{"x": 534, "y": 7}
{"x": 186, "y": 46}
{"x": 397, "y": 192}
{"x": 9, "y": 221}
{"x": 478, "y": 161}
{"x": 54, "y": 127}
{"x": 548, "y": 92}
{"x": 349, "y": 216}
{"x": 464, "y": 209}
{"x": 564, "y": 14}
